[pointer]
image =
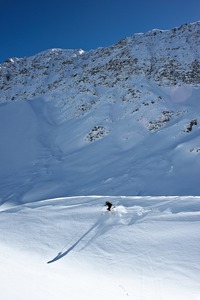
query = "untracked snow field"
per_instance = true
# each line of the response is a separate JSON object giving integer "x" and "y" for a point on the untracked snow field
{"x": 147, "y": 248}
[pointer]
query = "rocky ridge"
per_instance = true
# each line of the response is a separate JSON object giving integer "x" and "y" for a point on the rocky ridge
{"x": 166, "y": 57}
{"x": 76, "y": 78}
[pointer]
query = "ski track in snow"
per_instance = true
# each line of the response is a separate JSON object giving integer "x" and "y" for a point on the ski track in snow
{"x": 147, "y": 248}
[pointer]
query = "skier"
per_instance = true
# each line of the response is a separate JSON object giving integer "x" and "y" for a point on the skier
{"x": 109, "y": 205}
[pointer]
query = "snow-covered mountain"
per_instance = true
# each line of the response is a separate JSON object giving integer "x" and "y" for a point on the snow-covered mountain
{"x": 122, "y": 120}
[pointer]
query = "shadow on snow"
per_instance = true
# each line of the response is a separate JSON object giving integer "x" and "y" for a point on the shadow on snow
{"x": 102, "y": 226}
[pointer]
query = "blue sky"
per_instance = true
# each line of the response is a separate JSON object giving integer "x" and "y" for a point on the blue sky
{"x": 28, "y": 27}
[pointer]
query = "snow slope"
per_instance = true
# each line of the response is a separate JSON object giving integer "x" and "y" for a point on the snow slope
{"x": 71, "y": 248}
{"x": 41, "y": 158}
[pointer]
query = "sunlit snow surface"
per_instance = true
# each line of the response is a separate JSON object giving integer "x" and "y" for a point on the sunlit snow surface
{"x": 72, "y": 248}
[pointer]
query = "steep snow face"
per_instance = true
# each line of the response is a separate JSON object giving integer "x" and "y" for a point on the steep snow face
{"x": 147, "y": 248}
{"x": 122, "y": 120}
